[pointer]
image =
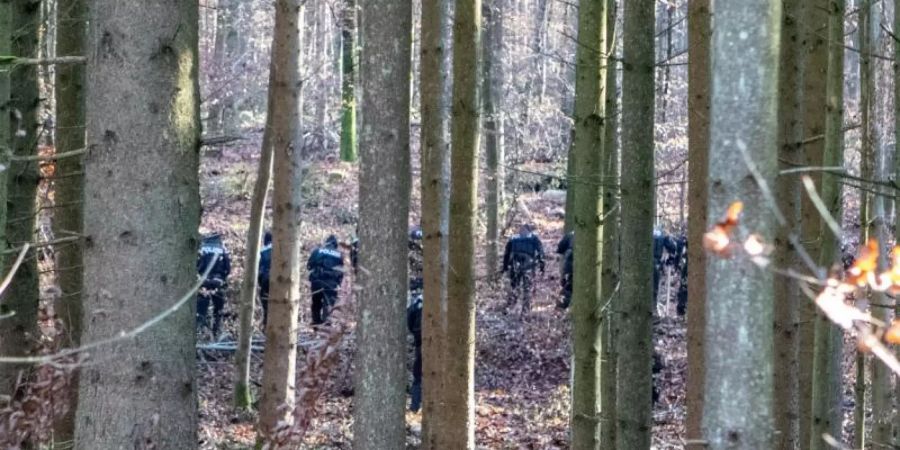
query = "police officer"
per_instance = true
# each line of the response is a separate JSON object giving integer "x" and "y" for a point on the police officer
{"x": 416, "y": 257}
{"x": 523, "y": 255}
{"x": 681, "y": 265}
{"x": 262, "y": 277}
{"x": 414, "y": 324}
{"x": 664, "y": 249}
{"x": 216, "y": 283}
{"x": 566, "y": 250}
{"x": 326, "y": 273}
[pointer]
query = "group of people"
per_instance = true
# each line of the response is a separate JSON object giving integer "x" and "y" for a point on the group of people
{"x": 326, "y": 274}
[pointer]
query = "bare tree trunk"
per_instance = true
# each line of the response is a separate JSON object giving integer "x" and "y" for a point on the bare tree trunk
{"x": 243, "y": 398}
{"x": 459, "y": 379}
{"x": 587, "y": 152}
{"x": 827, "y": 397}
{"x": 18, "y": 334}
{"x": 348, "y": 81}
{"x": 789, "y": 411}
{"x": 634, "y": 342}
{"x": 738, "y": 393}
{"x": 144, "y": 388}
{"x": 699, "y": 33}
{"x": 866, "y": 158}
{"x": 69, "y": 187}
{"x": 380, "y": 379}
{"x": 280, "y": 361}
{"x": 492, "y": 129}
{"x": 610, "y": 270}
{"x": 433, "y": 79}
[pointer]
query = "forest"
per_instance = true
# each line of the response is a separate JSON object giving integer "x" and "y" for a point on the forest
{"x": 449, "y": 224}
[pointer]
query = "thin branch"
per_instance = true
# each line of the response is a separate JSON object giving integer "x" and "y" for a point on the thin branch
{"x": 16, "y": 61}
{"x": 219, "y": 140}
{"x": 820, "y": 206}
{"x": 14, "y": 269}
{"x": 123, "y": 335}
{"x": 53, "y": 157}
{"x": 42, "y": 244}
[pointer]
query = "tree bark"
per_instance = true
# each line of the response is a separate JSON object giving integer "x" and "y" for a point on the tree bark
{"x": 866, "y": 158}
{"x": 243, "y": 398}
{"x": 380, "y": 379}
{"x": 435, "y": 184}
{"x": 280, "y": 361}
{"x": 699, "y": 32}
{"x": 635, "y": 341}
{"x": 18, "y": 334}
{"x": 790, "y": 412}
{"x": 827, "y": 397}
{"x": 142, "y": 189}
{"x": 348, "y": 81}
{"x": 738, "y": 393}
{"x": 459, "y": 379}
{"x": 69, "y": 189}
{"x": 610, "y": 270}
{"x": 493, "y": 129}
{"x": 587, "y": 154}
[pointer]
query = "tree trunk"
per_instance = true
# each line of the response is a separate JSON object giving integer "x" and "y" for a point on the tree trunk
{"x": 459, "y": 382}
{"x": 142, "y": 189}
{"x": 866, "y": 158}
{"x": 243, "y": 398}
{"x": 69, "y": 187}
{"x": 827, "y": 415}
{"x": 738, "y": 392}
{"x": 280, "y": 361}
{"x": 348, "y": 81}
{"x": 896, "y": 174}
{"x": 610, "y": 270}
{"x": 493, "y": 35}
{"x": 699, "y": 33}
{"x": 433, "y": 79}
{"x": 18, "y": 334}
{"x": 789, "y": 410}
{"x": 380, "y": 379}
{"x": 635, "y": 341}
{"x": 587, "y": 154}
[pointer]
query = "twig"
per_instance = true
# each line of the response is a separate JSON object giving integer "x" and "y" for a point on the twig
{"x": 16, "y": 61}
{"x": 219, "y": 140}
{"x": 53, "y": 157}
{"x": 15, "y": 267}
{"x": 123, "y": 335}
{"x": 820, "y": 206}
{"x": 42, "y": 244}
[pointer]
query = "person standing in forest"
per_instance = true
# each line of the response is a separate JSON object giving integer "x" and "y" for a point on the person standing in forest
{"x": 565, "y": 250}
{"x": 524, "y": 254}
{"x": 216, "y": 283}
{"x": 262, "y": 277}
{"x": 326, "y": 273}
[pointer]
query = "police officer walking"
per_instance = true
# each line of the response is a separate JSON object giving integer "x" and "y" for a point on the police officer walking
{"x": 216, "y": 283}
{"x": 326, "y": 273}
{"x": 524, "y": 254}
{"x": 566, "y": 250}
{"x": 262, "y": 277}
{"x": 414, "y": 324}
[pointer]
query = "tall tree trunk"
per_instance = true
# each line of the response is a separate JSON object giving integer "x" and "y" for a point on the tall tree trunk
{"x": 634, "y": 342}
{"x": 280, "y": 361}
{"x": 569, "y": 223}
{"x": 815, "y": 63}
{"x": 865, "y": 101}
{"x": 460, "y": 356}
{"x": 590, "y": 103}
{"x": 433, "y": 79}
{"x": 348, "y": 81}
{"x": 18, "y": 334}
{"x": 787, "y": 406}
{"x": 896, "y": 176}
{"x": 738, "y": 392}
{"x": 143, "y": 388}
{"x": 243, "y": 398}
{"x": 493, "y": 128}
{"x": 380, "y": 379}
{"x": 699, "y": 32}
{"x": 610, "y": 270}
{"x": 5, "y": 129}
{"x": 827, "y": 414}
{"x": 69, "y": 187}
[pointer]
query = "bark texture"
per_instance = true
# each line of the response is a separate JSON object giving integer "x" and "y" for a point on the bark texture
{"x": 280, "y": 360}
{"x": 738, "y": 393}
{"x": 142, "y": 188}
{"x": 634, "y": 342}
{"x": 493, "y": 128}
{"x": 348, "y": 82}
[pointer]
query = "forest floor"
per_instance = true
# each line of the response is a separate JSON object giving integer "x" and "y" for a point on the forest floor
{"x": 522, "y": 360}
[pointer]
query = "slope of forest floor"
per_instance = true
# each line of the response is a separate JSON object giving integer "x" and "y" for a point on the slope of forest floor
{"x": 522, "y": 361}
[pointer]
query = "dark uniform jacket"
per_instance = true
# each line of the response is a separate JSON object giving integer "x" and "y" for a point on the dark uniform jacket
{"x": 211, "y": 247}
{"x": 523, "y": 252}
{"x": 326, "y": 268}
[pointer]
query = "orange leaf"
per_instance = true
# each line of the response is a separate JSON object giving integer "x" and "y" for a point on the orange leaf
{"x": 718, "y": 239}
{"x": 864, "y": 265}
{"x": 892, "y": 335}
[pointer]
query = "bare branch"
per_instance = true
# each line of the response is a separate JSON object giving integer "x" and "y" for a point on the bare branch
{"x": 14, "y": 269}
